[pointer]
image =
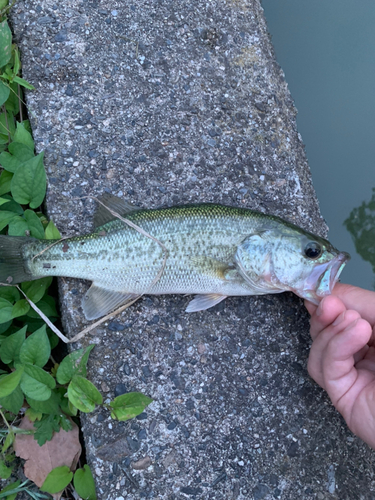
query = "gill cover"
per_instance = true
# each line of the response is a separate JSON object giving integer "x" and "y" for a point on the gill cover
{"x": 254, "y": 262}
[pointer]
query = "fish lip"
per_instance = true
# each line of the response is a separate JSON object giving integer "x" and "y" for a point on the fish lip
{"x": 323, "y": 278}
{"x": 330, "y": 276}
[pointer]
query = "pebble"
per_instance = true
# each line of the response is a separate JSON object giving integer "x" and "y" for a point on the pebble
{"x": 141, "y": 464}
{"x": 61, "y": 36}
{"x": 133, "y": 444}
{"x": 146, "y": 371}
{"x": 260, "y": 491}
{"x": 142, "y": 434}
{"x": 120, "y": 389}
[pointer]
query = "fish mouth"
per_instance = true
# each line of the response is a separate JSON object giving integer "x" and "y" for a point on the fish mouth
{"x": 323, "y": 278}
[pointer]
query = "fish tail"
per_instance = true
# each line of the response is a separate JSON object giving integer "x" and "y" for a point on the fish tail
{"x": 13, "y": 264}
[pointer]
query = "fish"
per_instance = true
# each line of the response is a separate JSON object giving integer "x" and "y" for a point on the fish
{"x": 212, "y": 251}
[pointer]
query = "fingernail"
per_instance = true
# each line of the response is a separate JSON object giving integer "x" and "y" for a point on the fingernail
{"x": 339, "y": 319}
{"x": 319, "y": 311}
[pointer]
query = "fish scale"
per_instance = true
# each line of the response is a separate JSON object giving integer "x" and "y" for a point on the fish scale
{"x": 126, "y": 260}
{"x": 212, "y": 250}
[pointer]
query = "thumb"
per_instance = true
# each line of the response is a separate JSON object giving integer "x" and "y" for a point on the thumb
{"x": 310, "y": 307}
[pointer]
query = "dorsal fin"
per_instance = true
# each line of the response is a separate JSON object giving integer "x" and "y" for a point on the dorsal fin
{"x": 102, "y": 215}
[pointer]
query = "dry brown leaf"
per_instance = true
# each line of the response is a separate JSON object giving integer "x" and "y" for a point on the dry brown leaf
{"x": 63, "y": 449}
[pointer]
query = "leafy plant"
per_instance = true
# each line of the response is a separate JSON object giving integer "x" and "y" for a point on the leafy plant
{"x": 53, "y": 393}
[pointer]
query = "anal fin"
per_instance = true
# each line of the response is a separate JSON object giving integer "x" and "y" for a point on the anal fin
{"x": 100, "y": 301}
{"x": 203, "y": 302}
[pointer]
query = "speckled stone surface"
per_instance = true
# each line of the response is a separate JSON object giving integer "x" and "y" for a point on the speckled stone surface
{"x": 165, "y": 102}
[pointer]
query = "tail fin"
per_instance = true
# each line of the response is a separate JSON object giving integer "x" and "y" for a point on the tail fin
{"x": 13, "y": 268}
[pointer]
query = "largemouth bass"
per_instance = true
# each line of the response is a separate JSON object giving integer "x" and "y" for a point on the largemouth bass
{"x": 213, "y": 251}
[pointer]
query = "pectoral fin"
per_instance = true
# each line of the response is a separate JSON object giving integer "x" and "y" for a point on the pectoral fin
{"x": 118, "y": 205}
{"x": 214, "y": 268}
{"x": 203, "y": 302}
{"x": 99, "y": 301}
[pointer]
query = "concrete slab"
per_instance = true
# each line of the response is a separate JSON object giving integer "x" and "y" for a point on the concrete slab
{"x": 165, "y": 102}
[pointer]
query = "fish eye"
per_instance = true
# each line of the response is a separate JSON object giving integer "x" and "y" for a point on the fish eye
{"x": 313, "y": 250}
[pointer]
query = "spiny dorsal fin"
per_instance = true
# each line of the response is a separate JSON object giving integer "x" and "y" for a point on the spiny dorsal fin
{"x": 203, "y": 302}
{"x": 99, "y": 301}
{"x": 118, "y": 205}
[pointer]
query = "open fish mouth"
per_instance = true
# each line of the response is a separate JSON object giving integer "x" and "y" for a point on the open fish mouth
{"x": 323, "y": 278}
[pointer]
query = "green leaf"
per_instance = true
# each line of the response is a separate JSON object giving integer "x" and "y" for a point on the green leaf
{"x": 5, "y": 43}
{"x": 5, "y": 310}
{"x": 9, "y": 162}
{"x": 45, "y": 427}
{"x": 4, "y": 327}
{"x": 9, "y": 293}
{"x": 34, "y": 223}
{"x": 12, "y": 487}
{"x": 12, "y": 206}
{"x": 47, "y": 306}
{"x": 33, "y": 415}
{"x": 3, "y": 200}
{"x": 6, "y": 217}
{"x": 16, "y": 57}
{"x": 73, "y": 364}
{"x": 83, "y": 394}
{"x": 18, "y": 227}
{"x": 5, "y": 181}
{"x": 4, "y": 93}
{"x": 9, "y": 383}
{"x": 36, "y": 349}
{"x": 7, "y": 126}
{"x": 84, "y": 483}
{"x": 21, "y": 151}
{"x": 53, "y": 338}
{"x": 12, "y": 103}
{"x": 5, "y": 471}
{"x": 14, "y": 401}
{"x": 65, "y": 423}
{"x": 68, "y": 408}
{"x": 51, "y": 231}
{"x": 32, "y": 324}
{"x": 11, "y": 346}
{"x": 23, "y": 82}
{"x": 48, "y": 424}
{"x": 36, "y": 383}
{"x": 23, "y": 136}
{"x": 36, "y": 289}
{"x": 27, "y": 125}
{"x": 57, "y": 479}
{"x": 49, "y": 407}
{"x": 20, "y": 308}
{"x": 8, "y": 442}
{"x": 129, "y": 405}
{"x": 28, "y": 185}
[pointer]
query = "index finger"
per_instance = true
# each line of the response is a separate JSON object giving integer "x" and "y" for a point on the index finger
{"x": 362, "y": 301}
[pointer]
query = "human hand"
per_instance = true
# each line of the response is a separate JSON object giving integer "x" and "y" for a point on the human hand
{"x": 342, "y": 356}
